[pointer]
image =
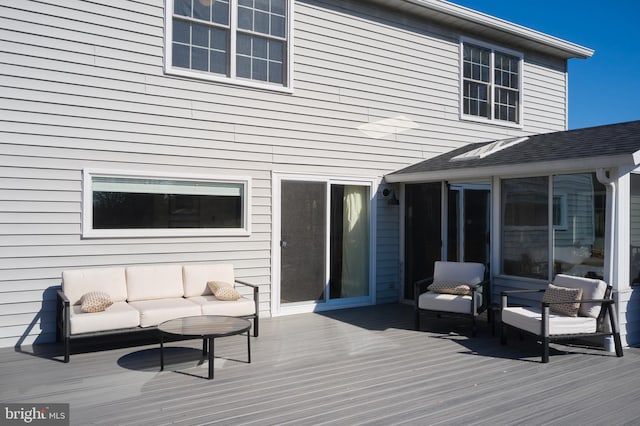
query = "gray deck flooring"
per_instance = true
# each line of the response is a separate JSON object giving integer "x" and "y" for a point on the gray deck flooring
{"x": 348, "y": 367}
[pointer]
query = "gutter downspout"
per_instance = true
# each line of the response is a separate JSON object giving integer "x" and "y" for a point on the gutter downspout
{"x": 610, "y": 247}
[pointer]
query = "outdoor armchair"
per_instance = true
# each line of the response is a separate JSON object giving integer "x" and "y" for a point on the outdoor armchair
{"x": 572, "y": 307}
{"x": 456, "y": 288}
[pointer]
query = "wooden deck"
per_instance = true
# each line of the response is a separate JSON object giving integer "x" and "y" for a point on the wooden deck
{"x": 348, "y": 367}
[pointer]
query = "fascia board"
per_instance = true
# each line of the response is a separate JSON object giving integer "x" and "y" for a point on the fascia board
{"x": 528, "y": 169}
{"x": 470, "y": 15}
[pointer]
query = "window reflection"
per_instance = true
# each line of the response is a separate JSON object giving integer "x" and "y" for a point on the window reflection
{"x": 577, "y": 210}
{"x": 525, "y": 231}
{"x": 578, "y": 232}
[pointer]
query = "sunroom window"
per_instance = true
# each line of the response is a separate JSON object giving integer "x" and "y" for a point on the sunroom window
{"x": 491, "y": 80}
{"x": 129, "y": 205}
{"x": 576, "y": 206}
{"x": 240, "y": 41}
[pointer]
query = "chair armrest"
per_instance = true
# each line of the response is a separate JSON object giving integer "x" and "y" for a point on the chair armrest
{"x": 421, "y": 285}
{"x": 506, "y": 293}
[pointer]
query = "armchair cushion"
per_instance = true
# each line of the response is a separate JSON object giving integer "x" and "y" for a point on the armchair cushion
{"x": 462, "y": 272}
{"x": 563, "y": 294}
{"x": 591, "y": 289}
{"x": 450, "y": 287}
{"x": 445, "y": 302}
{"x": 530, "y": 319}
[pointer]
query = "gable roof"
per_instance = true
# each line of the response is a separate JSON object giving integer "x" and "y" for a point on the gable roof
{"x": 614, "y": 145}
{"x": 487, "y": 26}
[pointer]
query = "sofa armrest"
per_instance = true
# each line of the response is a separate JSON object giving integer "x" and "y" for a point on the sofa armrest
{"x": 256, "y": 301}
{"x": 247, "y": 284}
{"x": 256, "y": 294}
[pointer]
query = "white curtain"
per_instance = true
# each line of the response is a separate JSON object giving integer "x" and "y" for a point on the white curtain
{"x": 355, "y": 233}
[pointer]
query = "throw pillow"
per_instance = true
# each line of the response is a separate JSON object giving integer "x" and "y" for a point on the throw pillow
{"x": 450, "y": 287}
{"x": 95, "y": 301}
{"x": 573, "y": 296}
{"x": 215, "y": 285}
{"x": 227, "y": 294}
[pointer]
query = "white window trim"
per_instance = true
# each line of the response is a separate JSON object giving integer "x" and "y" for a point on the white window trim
{"x": 493, "y": 47}
{"x": 87, "y": 206}
{"x": 182, "y": 72}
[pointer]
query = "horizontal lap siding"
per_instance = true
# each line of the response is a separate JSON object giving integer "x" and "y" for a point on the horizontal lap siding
{"x": 82, "y": 85}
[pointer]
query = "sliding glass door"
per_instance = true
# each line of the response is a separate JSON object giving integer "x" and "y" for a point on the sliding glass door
{"x": 324, "y": 242}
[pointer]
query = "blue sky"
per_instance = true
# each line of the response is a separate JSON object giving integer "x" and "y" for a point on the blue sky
{"x": 605, "y": 88}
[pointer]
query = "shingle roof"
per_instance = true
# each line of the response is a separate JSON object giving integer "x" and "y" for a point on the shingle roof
{"x": 622, "y": 139}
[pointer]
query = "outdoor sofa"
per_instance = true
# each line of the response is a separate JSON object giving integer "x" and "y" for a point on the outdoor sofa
{"x": 138, "y": 298}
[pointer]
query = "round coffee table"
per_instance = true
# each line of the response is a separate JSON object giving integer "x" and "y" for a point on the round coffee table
{"x": 208, "y": 328}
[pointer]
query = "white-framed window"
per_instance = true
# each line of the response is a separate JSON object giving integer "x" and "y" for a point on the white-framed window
{"x": 129, "y": 204}
{"x": 491, "y": 83}
{"x": 247, "y": 42}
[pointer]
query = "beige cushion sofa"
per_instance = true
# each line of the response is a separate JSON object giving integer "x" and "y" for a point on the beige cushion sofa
{"x": 141, "y": 297}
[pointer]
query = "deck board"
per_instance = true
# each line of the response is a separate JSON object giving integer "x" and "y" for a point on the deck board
{"x": 355, "y": 366}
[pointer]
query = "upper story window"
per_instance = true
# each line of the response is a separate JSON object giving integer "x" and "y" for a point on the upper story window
{"x": 241, "y": 41}
{"x": 491, "y": 83}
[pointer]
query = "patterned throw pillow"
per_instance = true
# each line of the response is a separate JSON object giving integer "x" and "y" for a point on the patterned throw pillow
{"x": 450, "y": 287}
{"x": 573, "y": 296}
{"x": 215, "y": 285}
{"x": 95, "y": 301}
{"x": 227, "y": 294}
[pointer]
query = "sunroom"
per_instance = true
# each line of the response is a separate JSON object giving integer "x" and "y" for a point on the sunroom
{"x": 529, "y": 208}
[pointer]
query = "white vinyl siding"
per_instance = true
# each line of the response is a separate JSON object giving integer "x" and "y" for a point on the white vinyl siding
{"x": 83, "y": 86}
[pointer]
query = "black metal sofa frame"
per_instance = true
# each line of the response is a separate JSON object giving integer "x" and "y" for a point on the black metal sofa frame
{"x": 63, "y": 322}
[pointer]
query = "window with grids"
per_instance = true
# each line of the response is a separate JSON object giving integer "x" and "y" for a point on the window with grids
{"x": 243, "y": 40}
{"x": 491, "y": 83}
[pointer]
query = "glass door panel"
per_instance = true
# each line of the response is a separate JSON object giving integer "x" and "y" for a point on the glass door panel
{"x": 349, "y": 241}
{"x": 423, "y": 241}
{"x": 476, "y": 226}
{"x": 302, "y": 245}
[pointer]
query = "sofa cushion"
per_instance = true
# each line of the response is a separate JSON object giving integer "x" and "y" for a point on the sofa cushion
{"x": 153, "y": 312}
{"x": 450, "y": 287}
{"x": 154, "y": 282}
{"x": 530, "y": 319}
{"x": 591, "y": 289}
{"x": 77, "y": 282}
{"x": 563, "y": 294}
{"x": 210, "y": 305}
{"x": 195, "y": 277}
{"x": 118, "y": 315}
{"x": 95, "y": 301}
